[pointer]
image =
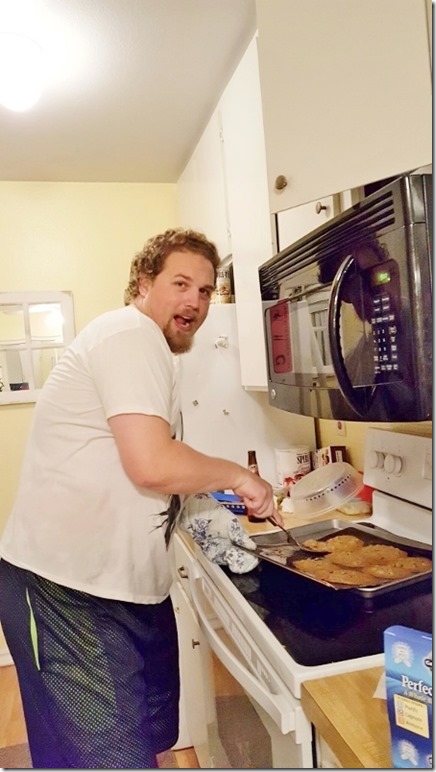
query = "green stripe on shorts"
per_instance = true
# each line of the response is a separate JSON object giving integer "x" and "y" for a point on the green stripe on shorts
{"x": 33, "y": 631}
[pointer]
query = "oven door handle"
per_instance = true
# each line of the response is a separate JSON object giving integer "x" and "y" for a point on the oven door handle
{"x": 279, "y": 706}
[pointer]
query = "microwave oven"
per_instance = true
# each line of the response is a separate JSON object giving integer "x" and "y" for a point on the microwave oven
{"x": 347, "y": 311}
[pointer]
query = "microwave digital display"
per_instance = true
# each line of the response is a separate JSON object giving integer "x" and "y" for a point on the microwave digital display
{"x": 380, "y": 277}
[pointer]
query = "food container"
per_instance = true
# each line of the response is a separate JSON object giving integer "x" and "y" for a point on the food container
{"x": 292, "y": 464}
{"x": 224, "y": 282}
{"x": 324, "y": 489}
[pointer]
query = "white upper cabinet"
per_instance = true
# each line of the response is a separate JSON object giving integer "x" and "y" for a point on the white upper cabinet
{"x": 250, "y": 223}
{"x": 346, "y": 94}
{"x": 293, "y": 224}
{"x": 202, "y": 197}
{"x": 330, "y": 96}
{"x": 223, "y": 192}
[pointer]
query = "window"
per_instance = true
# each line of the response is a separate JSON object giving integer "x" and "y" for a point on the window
{"x": 35, "y": 328}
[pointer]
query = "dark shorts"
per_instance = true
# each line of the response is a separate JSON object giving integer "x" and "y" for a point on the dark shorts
{"x": 99, "y": 679}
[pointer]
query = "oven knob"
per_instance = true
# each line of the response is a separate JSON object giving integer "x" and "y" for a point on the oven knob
{"x": 376, "y": 459}
{"x": 393, "y": 464}
{"x": 273, "y": 393}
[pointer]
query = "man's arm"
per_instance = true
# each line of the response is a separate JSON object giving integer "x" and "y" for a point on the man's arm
{"x": 153, "y": 460}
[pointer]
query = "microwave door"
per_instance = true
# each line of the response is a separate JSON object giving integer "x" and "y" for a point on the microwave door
{"x": 297, "y": 341}
{"x": 301, "y": 336}
{"x": 322, "y": 369}
{"x": 369, "y": 339}
{"x": 351, "y": 346}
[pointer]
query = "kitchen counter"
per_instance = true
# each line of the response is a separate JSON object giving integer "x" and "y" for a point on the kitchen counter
{"x": 352, "y": 722}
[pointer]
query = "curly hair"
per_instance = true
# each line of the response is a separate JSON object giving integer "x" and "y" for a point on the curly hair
{"x": 151, "y": 259}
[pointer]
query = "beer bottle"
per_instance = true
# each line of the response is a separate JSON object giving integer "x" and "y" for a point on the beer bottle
{"x": 253, "y": 467}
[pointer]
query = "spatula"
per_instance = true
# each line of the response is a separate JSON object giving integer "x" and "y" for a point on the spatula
{"x": 292, "y": 540}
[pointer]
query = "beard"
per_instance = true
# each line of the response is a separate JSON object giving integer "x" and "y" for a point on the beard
{"x": 178, "y": 343}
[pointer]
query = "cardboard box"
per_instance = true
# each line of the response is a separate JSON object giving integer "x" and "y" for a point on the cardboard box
{"x": 409, "y": 694}
{"x": 324, "y": 456}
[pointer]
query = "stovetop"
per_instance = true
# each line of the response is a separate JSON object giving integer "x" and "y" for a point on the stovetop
{"x": 311, "y": 630}
{"x": 318, "y": 625}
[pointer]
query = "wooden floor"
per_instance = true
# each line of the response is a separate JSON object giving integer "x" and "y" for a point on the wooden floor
{"x": 13, "y": 728}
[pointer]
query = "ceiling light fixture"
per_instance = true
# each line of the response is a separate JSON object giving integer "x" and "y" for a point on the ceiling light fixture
{"x": 21, "y": 71}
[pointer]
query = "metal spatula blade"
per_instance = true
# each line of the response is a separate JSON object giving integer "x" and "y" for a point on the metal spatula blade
{"x": 292, "y": 540}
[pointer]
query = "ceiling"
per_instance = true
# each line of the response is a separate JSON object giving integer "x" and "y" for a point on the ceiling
{"x": 130, "y": 85}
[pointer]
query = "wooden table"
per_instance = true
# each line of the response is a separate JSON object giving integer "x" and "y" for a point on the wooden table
{"x": 352, "y": 722}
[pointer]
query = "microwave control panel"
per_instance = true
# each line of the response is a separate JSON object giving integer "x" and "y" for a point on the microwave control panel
{"x": 386, "y": 306}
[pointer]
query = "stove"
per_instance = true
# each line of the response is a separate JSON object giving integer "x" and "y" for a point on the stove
{"x": 317, "y": 625}
{"x": 305, "y": 630}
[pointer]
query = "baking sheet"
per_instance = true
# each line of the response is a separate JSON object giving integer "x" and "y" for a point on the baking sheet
{"x": 272, "y": 548}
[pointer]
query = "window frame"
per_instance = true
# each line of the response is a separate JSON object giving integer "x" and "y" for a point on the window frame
{"x": 28, "y": 344}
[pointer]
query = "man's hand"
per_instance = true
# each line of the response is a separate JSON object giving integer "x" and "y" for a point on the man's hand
{"x": 257, "y": 495}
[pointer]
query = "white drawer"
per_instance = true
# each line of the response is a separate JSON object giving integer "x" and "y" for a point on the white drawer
{"x": 182, "y": 561}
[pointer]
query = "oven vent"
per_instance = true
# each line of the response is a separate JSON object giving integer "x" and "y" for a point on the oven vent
{"x": 390, "y": 207}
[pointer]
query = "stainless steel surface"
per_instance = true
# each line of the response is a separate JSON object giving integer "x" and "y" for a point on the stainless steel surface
{"x": 290, "y": 538}
{"x": 327, "y": 528}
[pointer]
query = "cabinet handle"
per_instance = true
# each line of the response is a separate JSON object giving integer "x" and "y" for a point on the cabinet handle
{"x": 319, "y": 207}
{"x": 280, "y": 182}
{"x": 194, "y": 643}
{"x": 182, "y": 572}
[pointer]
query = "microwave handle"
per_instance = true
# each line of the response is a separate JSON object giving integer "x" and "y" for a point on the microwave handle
{"x": 347, "y": 389}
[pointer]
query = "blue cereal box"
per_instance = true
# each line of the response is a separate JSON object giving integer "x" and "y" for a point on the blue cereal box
{"x": 408, "y": 666}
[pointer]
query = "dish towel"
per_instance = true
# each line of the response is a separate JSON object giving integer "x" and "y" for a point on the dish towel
{"x": 218, "y": 533}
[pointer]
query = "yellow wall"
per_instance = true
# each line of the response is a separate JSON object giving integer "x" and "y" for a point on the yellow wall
{"x": 355, "y": 432}
{"x": 70, "y": 236}
{"x": 81, "y": 237}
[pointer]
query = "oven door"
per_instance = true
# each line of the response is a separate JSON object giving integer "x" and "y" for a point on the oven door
{"x": 257, "y": 723}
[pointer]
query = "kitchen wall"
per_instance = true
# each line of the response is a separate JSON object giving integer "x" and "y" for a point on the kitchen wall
{"x": 81, "y": 237}
{"x": 355, "y": 433}
{"x": 70, "y": 236}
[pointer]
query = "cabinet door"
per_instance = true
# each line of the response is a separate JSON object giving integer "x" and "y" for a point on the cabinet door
{"x": 294, "y": 223}
{"x": 195, "y": 673}
{"x": 182, "y": 560}
{"x": 247, "y": 191}
{"x": 325, "y": 756}
{"x": 346, "y": 93}
{"x": 202, "y": 198}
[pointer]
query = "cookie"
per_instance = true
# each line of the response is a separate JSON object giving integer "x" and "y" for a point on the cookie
{"x": 350, "y": 576}
{"x": 416, "y": 565}
{"x": 312, "y": 566}
{"x": 344, "y": 542}
{"x": 315, "y": 545}
{"x": 388, "y": 571}
{"x": 381, "y": 554}
{"x": 347, "y": 559}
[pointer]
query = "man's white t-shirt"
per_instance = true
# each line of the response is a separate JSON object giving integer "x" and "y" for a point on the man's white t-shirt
{"x": 78, "y": 520}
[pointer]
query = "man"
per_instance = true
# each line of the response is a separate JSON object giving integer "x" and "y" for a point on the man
{"x": 84, "y": 575}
